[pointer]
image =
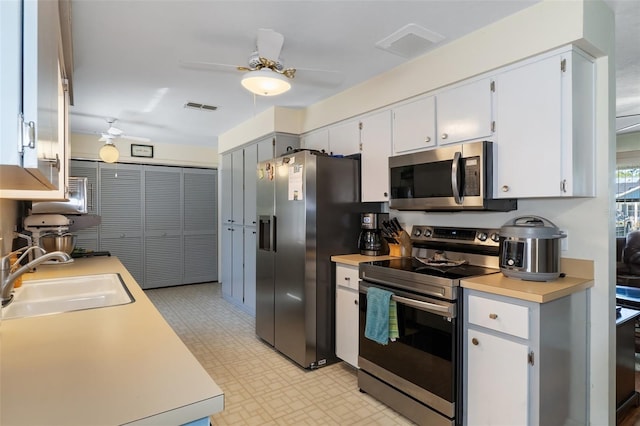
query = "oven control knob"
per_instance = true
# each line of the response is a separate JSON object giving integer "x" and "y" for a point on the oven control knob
{"x": 495, "y": 237}
{"x": 510, "y": 262}
{"x": 427, "y": 233}
{"x": 417, "y": 232}
{"x": 482, "y": 236}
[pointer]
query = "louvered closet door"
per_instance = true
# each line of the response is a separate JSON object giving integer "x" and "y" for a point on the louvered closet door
{"x": 87, "y": 239}
{"x": 120, "y": 203}
{"x": 200, "y": 228}
{"x": 163, "y": 226}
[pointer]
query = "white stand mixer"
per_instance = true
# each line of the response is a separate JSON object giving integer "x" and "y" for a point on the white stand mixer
{"x": 43, "y": 224}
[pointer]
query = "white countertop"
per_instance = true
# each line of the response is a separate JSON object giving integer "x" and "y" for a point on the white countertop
{"x": 114, "y": 365}
{"x": 533, "y": 291}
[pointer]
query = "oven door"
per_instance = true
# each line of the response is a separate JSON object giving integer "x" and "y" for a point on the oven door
{"x": 423, "y": 362}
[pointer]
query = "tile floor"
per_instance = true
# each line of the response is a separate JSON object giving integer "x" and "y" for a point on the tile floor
{"x": 261, "y": 386}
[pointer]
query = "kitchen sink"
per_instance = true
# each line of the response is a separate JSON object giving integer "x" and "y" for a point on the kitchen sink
{"x": 52, "y": 296}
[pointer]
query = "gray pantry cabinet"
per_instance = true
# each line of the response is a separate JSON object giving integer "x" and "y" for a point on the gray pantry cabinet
{"x": 238, "y": 235}
{"x": 160, "y": 221}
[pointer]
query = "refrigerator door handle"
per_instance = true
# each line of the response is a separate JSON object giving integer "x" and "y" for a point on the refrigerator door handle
{"x": 273, "y": 233}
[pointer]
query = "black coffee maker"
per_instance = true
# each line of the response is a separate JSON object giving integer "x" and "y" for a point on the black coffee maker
{"x": 371, "y": 241}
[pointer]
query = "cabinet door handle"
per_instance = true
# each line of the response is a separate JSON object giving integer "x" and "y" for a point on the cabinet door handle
{"x": 347, "y": 278}
{"x": 493, "y": 316}
{"x": 355, "y": 302}
{"x": 55, "y": 162}
{"x": 444, "y": 136}
{"x": 505, "y": 188}
{"x": 427, "y": 139}
{"x": 31, "y": 135}
{"x": 475, "y": 341}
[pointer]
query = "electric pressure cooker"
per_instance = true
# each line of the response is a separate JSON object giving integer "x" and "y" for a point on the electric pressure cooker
{"x": 530, "y": 249}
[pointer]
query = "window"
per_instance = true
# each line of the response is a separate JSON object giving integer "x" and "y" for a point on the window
{"x": 627, "y": 199}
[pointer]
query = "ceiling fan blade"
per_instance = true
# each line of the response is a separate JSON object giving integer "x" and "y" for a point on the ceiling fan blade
{"x": 208, "y": 66}
{"x": 269, "y": 44}
{"x": 135, "y": 138}
{"x": 114, "y": 131}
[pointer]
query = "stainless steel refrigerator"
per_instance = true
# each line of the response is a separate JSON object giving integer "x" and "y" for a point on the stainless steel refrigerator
{"x": 307, "y": 206}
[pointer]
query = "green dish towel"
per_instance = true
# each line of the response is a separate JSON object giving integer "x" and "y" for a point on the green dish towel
{"x": 381, "y": 316}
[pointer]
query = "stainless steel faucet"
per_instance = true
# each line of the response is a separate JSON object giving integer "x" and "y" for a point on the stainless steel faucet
{"x": 7, "y": 278}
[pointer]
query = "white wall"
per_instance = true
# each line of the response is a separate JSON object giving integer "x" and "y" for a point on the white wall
{"x": 589, "y": 222}
{"x": 86, "y": 147}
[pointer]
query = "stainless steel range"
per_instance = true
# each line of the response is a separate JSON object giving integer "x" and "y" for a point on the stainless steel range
{"x": 419, "y": 374}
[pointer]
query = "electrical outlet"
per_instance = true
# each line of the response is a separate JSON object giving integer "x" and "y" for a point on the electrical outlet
{"x": 564, "y": 242}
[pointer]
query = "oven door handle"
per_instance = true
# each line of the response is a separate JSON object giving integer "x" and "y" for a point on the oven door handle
{"x": 448, "y": 310}
{"x": 423, "y": 306}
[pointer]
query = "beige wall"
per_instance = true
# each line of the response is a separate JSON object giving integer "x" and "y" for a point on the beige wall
{"x": 588, "y": 221}
{"x": 274, "y": 119}
{"x": 8, "y": 221}
{"x": 628, "y": 149}
{"x": 86, "y": 147}
{"x": 628, "y": 142}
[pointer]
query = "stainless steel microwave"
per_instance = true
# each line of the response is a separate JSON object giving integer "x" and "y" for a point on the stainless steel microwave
{"x": 451, "y": 178}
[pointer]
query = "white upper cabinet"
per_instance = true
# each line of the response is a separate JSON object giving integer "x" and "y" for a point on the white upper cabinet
{"x": 464, "y": 112}
{"x": 30, "y": 142}
{"x": 344, "y": 138}
{"x": 414, "y": 125}
{"x": 375, "y": 137}
{"x": 318, "y": 140}
{"x": 544, "y": 127}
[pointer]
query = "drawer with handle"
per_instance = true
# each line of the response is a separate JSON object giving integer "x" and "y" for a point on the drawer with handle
{"x": 499, "y": 316}
{"x": 347, "y": 276}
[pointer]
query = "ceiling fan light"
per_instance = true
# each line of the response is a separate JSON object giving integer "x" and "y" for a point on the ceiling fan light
{"x": 109, "y": 153}
{"x": 265, "y": 83}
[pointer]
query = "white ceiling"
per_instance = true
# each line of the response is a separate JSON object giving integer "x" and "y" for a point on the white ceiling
{"x": 128, "y": 54}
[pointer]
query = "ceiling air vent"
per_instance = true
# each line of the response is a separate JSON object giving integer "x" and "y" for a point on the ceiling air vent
{"x": 201, "y": 107}
{"x": 410, "y": 40}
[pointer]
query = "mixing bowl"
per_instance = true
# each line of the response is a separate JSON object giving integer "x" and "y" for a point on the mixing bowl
{"x": 56, "y": 242}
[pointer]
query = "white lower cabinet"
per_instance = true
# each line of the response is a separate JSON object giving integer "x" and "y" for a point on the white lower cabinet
{"x": 502, "y": 401}
{"x": 525, "y": 363}
{"x": 347, "y": 313}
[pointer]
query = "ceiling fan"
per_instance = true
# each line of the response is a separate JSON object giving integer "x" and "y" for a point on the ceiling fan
{"x": 115, "y": 133}
{"x": 266, "y": 74}
{"x": 109, "y": 153}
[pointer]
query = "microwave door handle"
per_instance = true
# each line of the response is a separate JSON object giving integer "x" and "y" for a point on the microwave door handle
{"x": 455, "y": 177}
